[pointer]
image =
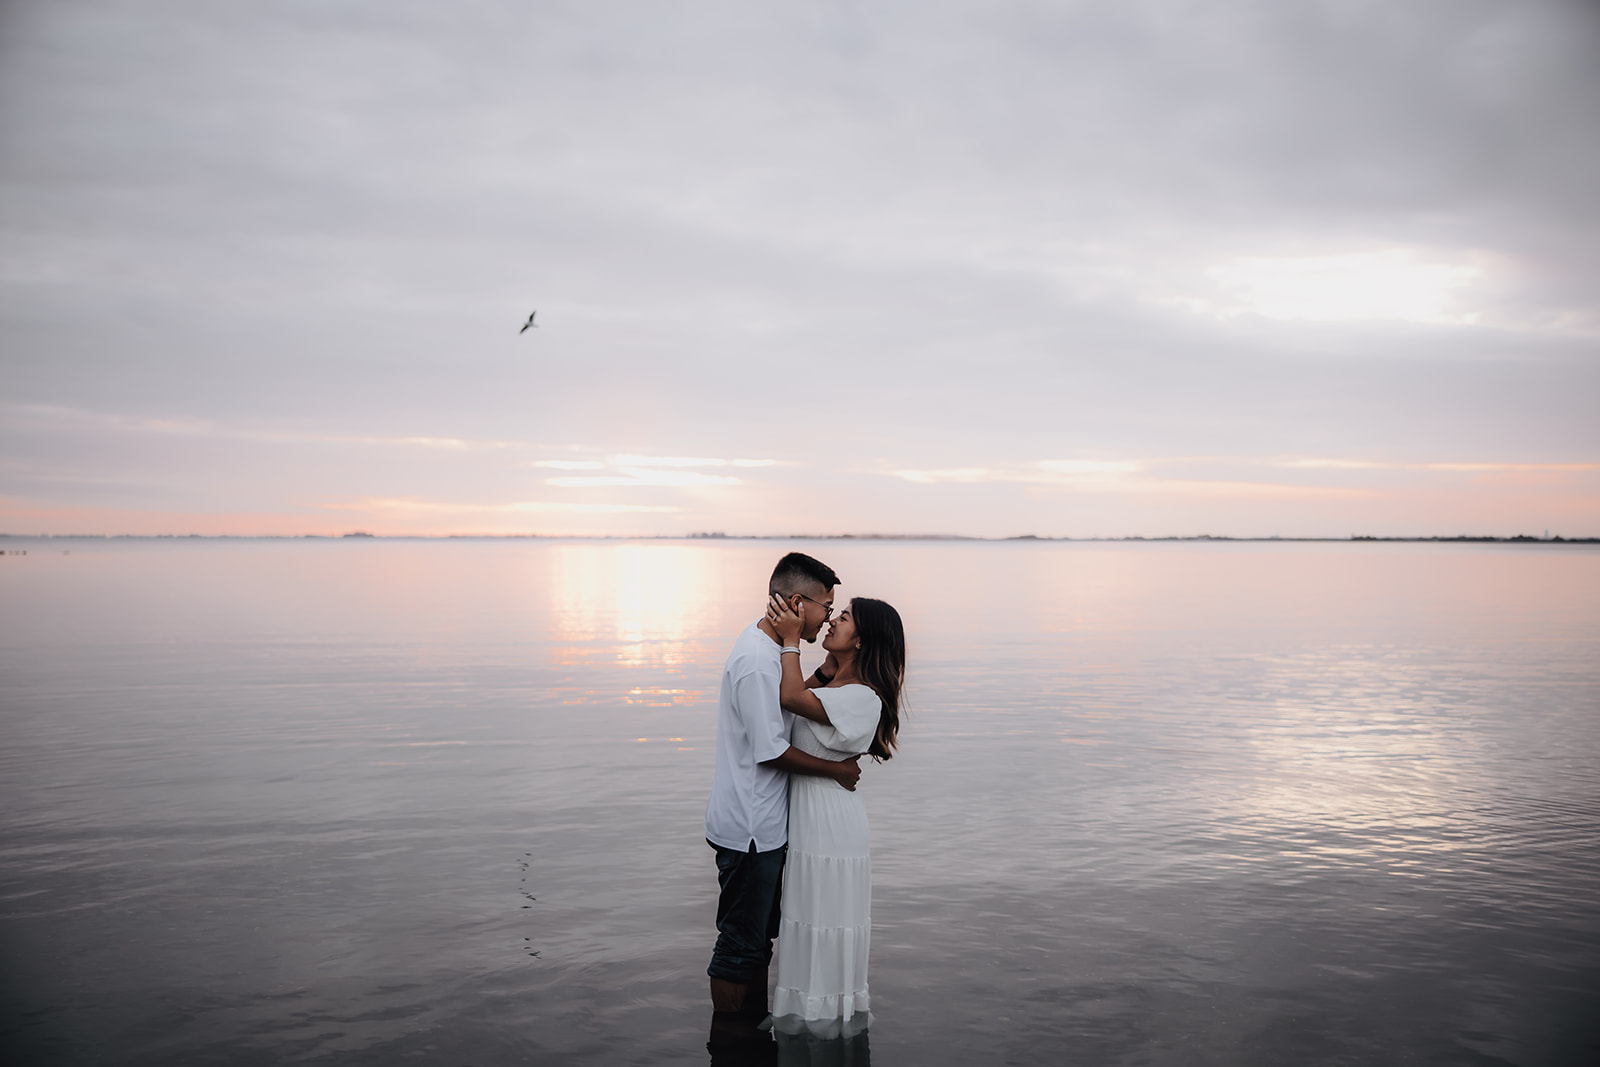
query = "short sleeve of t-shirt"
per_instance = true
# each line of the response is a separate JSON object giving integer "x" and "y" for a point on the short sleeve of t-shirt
{"x": 853, "y": 711}
{"x": 756, "y": 696}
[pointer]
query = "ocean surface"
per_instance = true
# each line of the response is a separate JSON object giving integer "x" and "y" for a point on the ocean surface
{"x": 368, "y": 801}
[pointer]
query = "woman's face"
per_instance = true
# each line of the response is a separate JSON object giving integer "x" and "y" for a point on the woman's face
{"x": 841, "y": 634}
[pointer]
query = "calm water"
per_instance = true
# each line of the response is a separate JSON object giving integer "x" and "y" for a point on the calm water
{"x": 359, "y": 802}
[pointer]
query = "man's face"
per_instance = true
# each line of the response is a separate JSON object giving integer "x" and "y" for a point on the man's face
{"x": 815, "y": 605}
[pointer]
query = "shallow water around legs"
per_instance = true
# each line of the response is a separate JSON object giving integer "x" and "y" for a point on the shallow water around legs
{"x": 367, "y": 801}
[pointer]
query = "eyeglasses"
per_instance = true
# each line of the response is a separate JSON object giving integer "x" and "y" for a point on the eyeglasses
{"x": 827, "y": 609}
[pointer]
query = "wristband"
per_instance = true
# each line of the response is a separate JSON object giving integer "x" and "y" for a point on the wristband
{"x": 791, "y": 648}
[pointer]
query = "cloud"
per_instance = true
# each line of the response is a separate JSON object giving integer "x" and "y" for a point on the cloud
{"x": 642, "y": 476}
{"x": 73, "y": 419}
{"x": 688, "y": 461}
{"x": 1376, "y": 465}
{"x": 1114, "y": 476}
{"x": 1162, "y": 477}
{"x": 955, "y": 474}
{"x": 1043, "y": 471}
{"x": 409, "y": 506}
{"x": 1395, "y": 284}
{"x": 1091, "y": 468}
{"x": 651, "y": 471}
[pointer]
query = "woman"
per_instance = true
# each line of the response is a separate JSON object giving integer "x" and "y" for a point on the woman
{"x": 850, "y": 707}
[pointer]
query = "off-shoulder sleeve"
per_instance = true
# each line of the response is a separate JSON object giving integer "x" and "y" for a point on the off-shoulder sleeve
{"x": 853, "y": 711}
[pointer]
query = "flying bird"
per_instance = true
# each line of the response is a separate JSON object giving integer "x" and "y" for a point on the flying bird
{"x": 530, "y": 322}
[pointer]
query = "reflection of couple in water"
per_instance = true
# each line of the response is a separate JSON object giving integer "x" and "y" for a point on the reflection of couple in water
{"x": 789, "y": 831}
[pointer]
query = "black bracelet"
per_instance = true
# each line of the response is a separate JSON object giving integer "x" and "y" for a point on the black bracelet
{"x": 826, "y": 678}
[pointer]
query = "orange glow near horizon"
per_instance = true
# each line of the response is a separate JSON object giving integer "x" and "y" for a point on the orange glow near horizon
{"x": 1174, "y": 496}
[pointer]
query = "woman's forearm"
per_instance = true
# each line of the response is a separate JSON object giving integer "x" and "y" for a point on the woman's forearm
{"x": 795, "y": 696}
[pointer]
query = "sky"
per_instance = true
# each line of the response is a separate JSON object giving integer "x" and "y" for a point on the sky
{"x": 992, "y": 268}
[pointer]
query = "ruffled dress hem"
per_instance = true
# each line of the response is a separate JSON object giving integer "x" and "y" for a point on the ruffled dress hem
{"x": 828, "y": 1027}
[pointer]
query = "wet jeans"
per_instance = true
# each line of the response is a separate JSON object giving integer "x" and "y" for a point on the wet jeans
{"x": 747, "y": 911}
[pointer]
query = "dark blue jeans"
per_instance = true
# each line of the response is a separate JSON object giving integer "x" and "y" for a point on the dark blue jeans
{"x": 747, "y": 911}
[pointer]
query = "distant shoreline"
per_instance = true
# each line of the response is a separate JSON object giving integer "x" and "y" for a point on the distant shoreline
{"x": 1469, "y": 539}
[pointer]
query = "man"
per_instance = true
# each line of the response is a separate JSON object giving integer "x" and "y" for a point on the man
{"x": 747, "y": 818}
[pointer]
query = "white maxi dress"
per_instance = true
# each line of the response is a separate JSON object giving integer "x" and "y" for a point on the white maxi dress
{"x": 826, "y": 926}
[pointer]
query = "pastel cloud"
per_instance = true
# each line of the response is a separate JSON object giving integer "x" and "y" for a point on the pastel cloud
{"x": 1165, "y": 476}
{"x": 652, "y": 471}
{"x": 1116, "y": 476}
{"x": 1388, "y": 284}
{"x": 456, "y": 509}
{"x": 1372, "y": 465}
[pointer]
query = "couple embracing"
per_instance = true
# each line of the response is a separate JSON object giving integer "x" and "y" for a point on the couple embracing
{"x": 789, "y": 830}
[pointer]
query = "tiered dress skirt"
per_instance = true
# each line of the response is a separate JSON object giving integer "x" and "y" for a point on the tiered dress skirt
{"x": 826, "y": 928}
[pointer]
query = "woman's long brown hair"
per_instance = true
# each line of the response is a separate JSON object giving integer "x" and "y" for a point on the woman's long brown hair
{"x": 881, "y": 664}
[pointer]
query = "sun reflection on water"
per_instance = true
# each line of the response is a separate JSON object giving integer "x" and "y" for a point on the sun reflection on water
{"x": 642, "y": 604}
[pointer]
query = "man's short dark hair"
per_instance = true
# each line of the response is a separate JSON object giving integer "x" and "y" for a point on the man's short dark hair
{"x": 798, "y": 569}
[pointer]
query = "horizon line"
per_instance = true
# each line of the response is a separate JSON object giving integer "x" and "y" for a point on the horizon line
{"x": 362, "y": 535}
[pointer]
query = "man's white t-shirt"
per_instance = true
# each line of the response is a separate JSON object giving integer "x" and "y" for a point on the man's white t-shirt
{"x": 750, "y": 802}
